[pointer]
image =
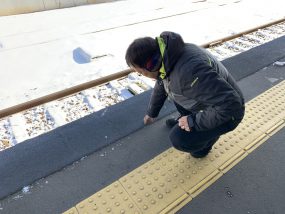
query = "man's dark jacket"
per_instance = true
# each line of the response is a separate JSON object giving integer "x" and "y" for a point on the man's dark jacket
{"x": 198, "y": 82}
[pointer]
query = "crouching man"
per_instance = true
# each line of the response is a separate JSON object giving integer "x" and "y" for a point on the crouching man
{"x": 209, "y": 101}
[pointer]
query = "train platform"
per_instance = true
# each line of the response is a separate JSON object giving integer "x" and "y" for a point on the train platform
{"x": 109, "y": 162}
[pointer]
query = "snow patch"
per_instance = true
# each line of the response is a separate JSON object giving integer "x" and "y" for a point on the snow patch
{"x": 26, "y": 190}
{"x": 279, "y": 64}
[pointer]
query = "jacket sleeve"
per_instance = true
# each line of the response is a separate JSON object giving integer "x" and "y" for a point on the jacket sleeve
{"x": 157, "y": 99}
{"x": 207, "y": 87}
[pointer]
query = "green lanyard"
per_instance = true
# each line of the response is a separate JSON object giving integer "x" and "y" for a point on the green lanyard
{"x": 162, "y": 49}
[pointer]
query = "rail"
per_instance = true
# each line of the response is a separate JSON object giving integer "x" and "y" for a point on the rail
{"x": 75, "y": 89}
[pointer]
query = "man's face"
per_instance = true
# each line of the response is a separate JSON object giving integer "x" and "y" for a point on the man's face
{"x": 146, "y": 73}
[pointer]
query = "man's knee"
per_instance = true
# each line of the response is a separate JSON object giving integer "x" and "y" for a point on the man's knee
{"x": 176, "y": 139}
{"x": 180, "y": 141}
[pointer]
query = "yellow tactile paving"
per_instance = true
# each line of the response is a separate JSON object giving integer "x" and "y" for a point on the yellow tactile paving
{"x": 245, "y": 133}
{"x": 170, "y": 180}
{"x": 176, "y": 205}
{"x": 73, "y": 210}
{"x": 112, "y": 199}
{"x": 276, "y": 128}
{"x": 257, "y": 142}
{"x": 186, "y": 170}
{"x": 152, "y": 188}
{"x": 264, "y": 119}
{"x": 224, "y": 153}
{"x": 269, "y": 108}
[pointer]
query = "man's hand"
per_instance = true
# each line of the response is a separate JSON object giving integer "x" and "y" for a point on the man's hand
{"x": 183, "y": 123}
{"x": 148, "y": 120}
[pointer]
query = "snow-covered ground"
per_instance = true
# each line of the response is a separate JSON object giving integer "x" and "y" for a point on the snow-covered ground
{"x": 40, "y": 52}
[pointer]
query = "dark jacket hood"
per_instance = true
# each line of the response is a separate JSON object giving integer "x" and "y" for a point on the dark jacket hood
{"x": 174, "y": 47}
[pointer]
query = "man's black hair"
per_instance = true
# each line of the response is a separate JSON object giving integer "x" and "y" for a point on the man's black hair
{"x": 140, "y": 51}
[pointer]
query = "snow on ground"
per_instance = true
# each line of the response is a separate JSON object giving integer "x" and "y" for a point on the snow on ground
{"x": 40, "y": 53}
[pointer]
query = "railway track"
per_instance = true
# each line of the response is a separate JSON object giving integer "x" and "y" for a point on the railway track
{"x": 30, "y": 123}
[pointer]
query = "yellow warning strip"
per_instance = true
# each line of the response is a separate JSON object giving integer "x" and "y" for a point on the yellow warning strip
{"x": 170, "y": 180}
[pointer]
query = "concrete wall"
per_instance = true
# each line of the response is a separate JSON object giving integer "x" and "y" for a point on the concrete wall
{"x": 12, "y": 7}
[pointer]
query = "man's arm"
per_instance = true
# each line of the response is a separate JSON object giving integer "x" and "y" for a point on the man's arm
{"x": 157, "y": 99}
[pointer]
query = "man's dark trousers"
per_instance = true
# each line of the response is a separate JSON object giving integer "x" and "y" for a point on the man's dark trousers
{"x": 198, "y": 143}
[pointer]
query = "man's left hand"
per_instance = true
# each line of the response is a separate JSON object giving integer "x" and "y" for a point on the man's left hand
{"x": 183, "y": 123}
{"x": 148, "y": 120}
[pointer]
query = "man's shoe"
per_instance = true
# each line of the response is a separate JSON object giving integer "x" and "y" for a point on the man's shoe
{"x": 204, "y": 152}
{"x": 200, "y": 154}
{"x": 171, "y": 122}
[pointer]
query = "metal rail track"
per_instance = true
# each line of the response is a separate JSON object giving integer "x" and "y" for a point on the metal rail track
{"x": 38, "y": 116}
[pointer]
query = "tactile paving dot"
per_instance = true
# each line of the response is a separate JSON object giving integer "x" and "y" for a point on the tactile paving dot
{"x": 112, "y": 199}
{"x": 151, "y": 187}
{"x": 72, "y": 210}
{"x": 224, "y": 152}
{"x": 184, "y": 169}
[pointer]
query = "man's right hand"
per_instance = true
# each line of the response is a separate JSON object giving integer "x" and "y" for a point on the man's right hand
{"x": 148, "y": 120}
